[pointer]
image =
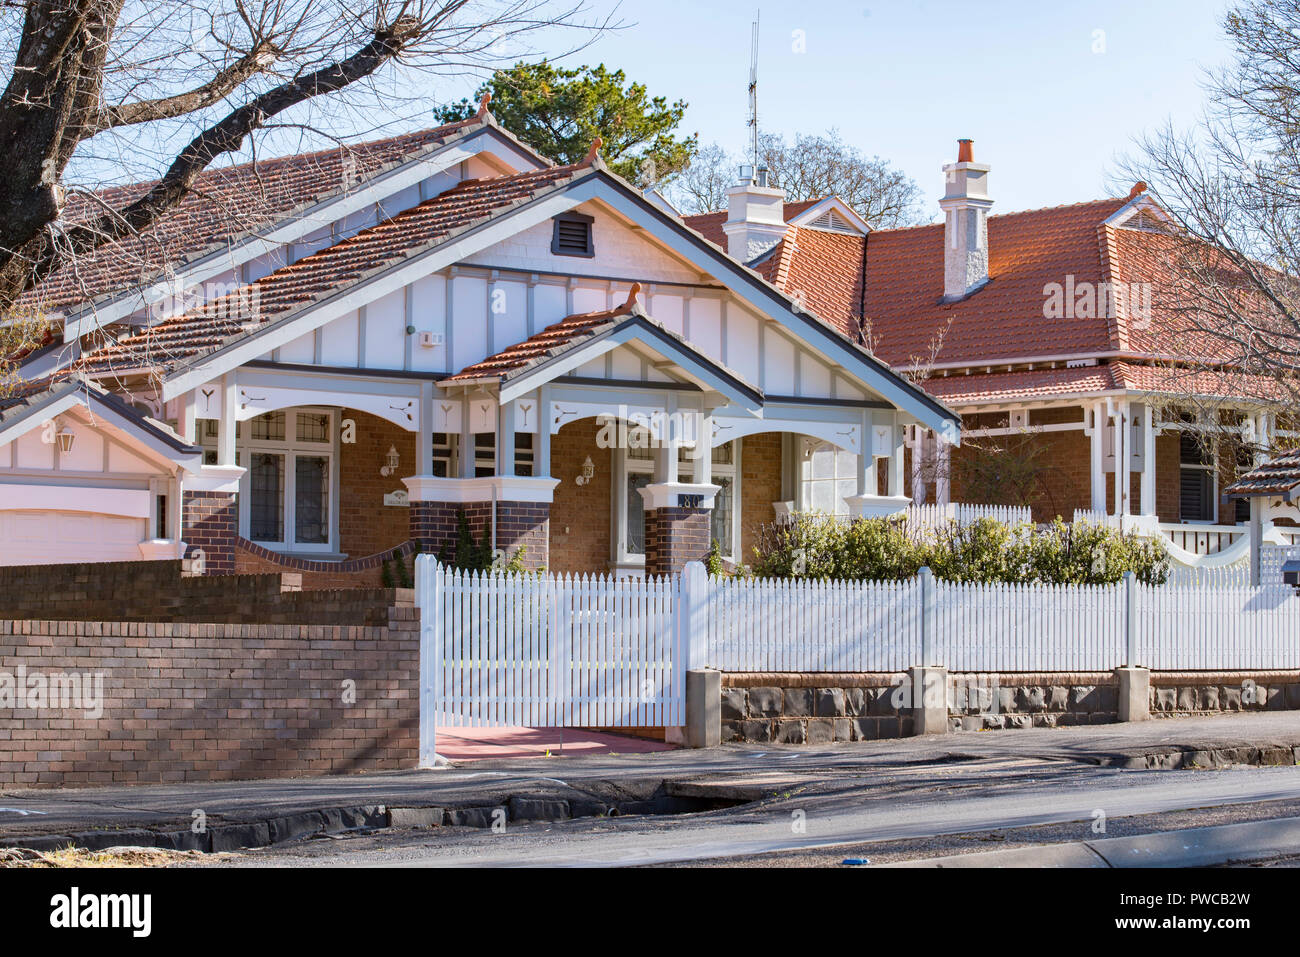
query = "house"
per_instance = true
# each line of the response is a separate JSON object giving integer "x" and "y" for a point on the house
{"x": 322, "y": 361}
{"x": 1036, "y": 327}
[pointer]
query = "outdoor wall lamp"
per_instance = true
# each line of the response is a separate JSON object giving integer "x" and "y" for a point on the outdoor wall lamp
{"x": 588, "y": 470}
{"x": 65, "y": 438}
{"x": 392, "y": 461}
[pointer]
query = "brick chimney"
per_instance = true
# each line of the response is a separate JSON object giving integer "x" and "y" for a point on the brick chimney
{"x": 755, "y": 215}
{"x": 966, "y": 234}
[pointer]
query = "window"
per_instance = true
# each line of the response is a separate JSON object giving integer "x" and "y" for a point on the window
{"x": 444, "y": 454}
{"x": 638, "y": 472}
{"x": 572, "y": 236}
{"x": 827, "y": 476}
{"x": 1196, "y": 479}
{"x": 286, "y": 499}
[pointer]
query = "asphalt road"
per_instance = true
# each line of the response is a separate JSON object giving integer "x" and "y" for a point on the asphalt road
{"x": 900, "y": 804}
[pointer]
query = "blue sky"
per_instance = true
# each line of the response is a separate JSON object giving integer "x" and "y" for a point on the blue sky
{"x": 905, "y": 78}
{"x": 902, "y": 79}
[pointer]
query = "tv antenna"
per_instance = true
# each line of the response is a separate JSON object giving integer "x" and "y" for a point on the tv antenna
{"x": 753, "y": 89}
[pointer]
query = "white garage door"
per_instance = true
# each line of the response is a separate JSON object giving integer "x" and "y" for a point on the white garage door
{"x": 47, "y": 537}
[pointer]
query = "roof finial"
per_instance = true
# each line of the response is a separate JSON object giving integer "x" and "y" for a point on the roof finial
{"x": 483, "y": 102}
{"x": 1138, "y": 189}
{"x": 631, "y": 298}
{"x": 593, "y": 154}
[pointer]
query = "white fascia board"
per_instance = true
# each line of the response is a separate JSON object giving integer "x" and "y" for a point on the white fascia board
{"x": 314, "y": 316}
{"x": 837, "y": 204}
{"x": 293, "y": 227}
{"x": 755, "y": 292}
{"x": 333, "y": 381}
{"x": 628, "y": 394}
{"x": 846, "y": 414}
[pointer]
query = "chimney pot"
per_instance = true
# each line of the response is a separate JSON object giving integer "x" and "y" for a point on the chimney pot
{"x": 965, "y": 154}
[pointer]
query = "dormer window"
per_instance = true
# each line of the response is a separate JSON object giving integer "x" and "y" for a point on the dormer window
{"x": 572, "y": 235}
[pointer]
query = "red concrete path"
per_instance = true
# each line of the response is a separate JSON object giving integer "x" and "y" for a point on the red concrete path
{"x": 477, "y": 744}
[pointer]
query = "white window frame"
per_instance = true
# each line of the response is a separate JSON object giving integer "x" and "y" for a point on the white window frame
{"x": 625, "y": 465}
{"x": 804, "y": 480}
{"x": 290, "y": 447}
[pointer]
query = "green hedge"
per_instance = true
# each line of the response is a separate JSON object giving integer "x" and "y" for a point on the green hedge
{"x": 876, "y": 549}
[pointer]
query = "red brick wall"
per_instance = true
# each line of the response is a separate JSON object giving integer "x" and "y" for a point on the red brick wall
{"x": 366, "y": 524}
{"x": 580, "y": 514}
{"x": 185, "y": 702}
{"x": 1168, "y": 492}
{"x": 519, "y": 524}
{"x": 760, "y": 486}
{"x": 210, "y": 522}
{"x": 367, "y": 572}
{"x": 673, "y": 537}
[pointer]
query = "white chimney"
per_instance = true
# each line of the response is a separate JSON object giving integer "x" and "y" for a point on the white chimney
{"x": 755, "y": 215}
{"x": 966, "y": 233}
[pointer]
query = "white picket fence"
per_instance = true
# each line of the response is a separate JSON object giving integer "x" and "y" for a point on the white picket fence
{"x": 1195, "y": 629}
{"x": 802, "y": 625}
{"x": 1012, "y": 627}
{"x": 931, "y": 516}
{"x": 599, "y": 651}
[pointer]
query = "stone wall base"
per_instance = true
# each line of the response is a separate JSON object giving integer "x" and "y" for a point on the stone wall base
{"x": 820, "y": 708}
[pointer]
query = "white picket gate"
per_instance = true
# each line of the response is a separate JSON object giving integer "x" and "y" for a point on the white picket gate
{"x": 551, "y": 651}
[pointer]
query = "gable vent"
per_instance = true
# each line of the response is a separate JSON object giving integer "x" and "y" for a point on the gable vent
{"x": 1146, "y": 223}
{"x": 832, "y": 221}
{"x": 572, "y": 235}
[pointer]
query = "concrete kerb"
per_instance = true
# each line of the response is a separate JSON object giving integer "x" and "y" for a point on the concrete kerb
{"x": 1189, "y": 847}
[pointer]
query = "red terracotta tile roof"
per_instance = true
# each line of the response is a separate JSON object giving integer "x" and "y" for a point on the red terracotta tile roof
{"x": 1115, "y": 376}
{"x": 709, "y": 225}
{"x": 1275, "y": 477}
{"x": 824, "y": 271}
{"x": 227, "y": 203}
{"x": 1003, "y": 320}
{"x": 1169, "y": 379}
{"x": 220, "y": 321}
{"x": 961, "y": 389}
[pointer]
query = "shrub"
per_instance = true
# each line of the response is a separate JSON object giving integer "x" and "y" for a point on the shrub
{"x": 878, "y": 549}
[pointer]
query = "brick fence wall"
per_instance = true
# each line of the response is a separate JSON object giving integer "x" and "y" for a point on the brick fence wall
{"x": 190, "y": 702}
{"x": 157, "y": 592}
